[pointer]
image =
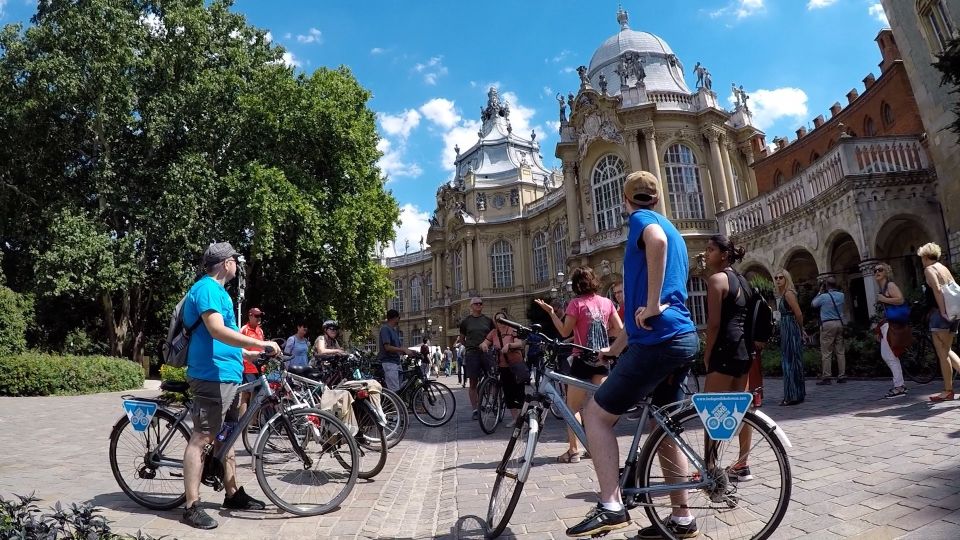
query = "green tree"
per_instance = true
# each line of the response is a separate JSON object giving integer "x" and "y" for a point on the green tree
{"x": 948, "y": 63}
{"x": 137, "y": 131}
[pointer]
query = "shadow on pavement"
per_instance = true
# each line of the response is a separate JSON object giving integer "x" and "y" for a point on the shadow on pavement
{"x": 468, "y": 527}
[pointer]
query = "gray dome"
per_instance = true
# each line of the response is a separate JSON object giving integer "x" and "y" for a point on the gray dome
{"x": 628, "y": 40}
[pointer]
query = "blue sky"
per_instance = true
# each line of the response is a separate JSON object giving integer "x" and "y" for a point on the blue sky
{"x": 429, "y": 63}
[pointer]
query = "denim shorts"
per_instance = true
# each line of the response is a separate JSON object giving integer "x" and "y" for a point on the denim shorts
{"x": 939, "y": 324}
{"x": 654, "y": 370}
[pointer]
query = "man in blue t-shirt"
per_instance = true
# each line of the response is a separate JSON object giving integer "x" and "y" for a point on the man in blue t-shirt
{"x": 658, "y": 348}
{"x": 214, "y": 371}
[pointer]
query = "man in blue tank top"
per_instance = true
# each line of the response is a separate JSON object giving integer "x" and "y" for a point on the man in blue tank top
{"x": 655, "y": 354}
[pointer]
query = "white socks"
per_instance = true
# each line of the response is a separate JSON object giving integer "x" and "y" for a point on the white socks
{"x": 613, "y": 507}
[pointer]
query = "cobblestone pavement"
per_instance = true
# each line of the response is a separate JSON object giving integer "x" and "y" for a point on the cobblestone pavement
{"x": 863, "y": 467}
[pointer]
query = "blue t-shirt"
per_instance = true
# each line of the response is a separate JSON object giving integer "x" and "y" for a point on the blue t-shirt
{"x": 830, "y": 304}
{"x": 297, "y": 348}
{"x": 207, "y": 358}
{"x": 388, "y": 336}
{"x": 675, "y": 320}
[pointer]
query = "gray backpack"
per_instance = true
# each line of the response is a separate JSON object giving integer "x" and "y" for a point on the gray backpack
{"x": 178, "y": 337}
{"x": 596, "y": 337}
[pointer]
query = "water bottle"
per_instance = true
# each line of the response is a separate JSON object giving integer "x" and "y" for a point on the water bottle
{"x": 225, "y": 431}
{"x": 356, "y": 374}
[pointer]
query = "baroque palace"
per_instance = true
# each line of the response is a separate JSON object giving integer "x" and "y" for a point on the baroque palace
{"x": 857, "y": 188}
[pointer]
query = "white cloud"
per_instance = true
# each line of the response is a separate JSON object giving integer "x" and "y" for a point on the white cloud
{"x": 769, "y": 106}
{"x": 377, "y": 50}
{"x": 554, "y": 126}
{"x": 268, "y": 37}
{"x": 520, "y": 116}
{"x": 400, "y": 124}
{"x": 432, "y": 70}
{"x": 312, "y": 36}
{"x": 464, "y": 136}
{"x": 547, "y": 91}
{"x": 441, "y": 111}
{"x": 392, "y": 163}
{"x": 740, "y": 9}
{"x": 413, "y": 226}
{"x": 152, "y": 21}
{"x": 876, "y": 11}
{"x": 3, "y": 4}
{"x": 288, "y": 35}
{"x": 561, "y": 56}
{"x": 289, "y": 60}
{"x": 568, "y": 69}
{"x": 817, "y": 4}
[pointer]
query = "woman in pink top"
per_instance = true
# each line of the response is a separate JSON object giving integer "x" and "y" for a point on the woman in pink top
{"x": 593, "y": 320}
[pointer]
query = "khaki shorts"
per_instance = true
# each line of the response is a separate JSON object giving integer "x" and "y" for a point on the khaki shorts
{"x": 213, "y": 404}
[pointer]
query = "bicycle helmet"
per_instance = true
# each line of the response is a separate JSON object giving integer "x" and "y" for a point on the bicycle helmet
{"x": 330, "y": 324}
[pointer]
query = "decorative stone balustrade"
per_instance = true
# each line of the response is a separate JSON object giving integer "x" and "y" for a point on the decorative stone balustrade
{"x": 409, "y": 258}
{"x": 544, "y": 202}
{"x": 851, "y": 157}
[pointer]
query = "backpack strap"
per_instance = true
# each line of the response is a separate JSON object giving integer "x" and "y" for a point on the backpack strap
{"x": 195, "y": 325}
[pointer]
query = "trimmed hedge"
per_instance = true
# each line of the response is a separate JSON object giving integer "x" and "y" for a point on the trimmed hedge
{"x": 18, "y": 313}
{"x": 35, "y": 374}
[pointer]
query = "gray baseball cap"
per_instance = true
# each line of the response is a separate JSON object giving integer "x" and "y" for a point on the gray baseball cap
{"x": 218, "y": 252}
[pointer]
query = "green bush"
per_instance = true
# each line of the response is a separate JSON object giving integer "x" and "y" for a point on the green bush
{"x": 17, "y": 316}
{"x": 35, "y": 374}
{"x": 170, "y": 373}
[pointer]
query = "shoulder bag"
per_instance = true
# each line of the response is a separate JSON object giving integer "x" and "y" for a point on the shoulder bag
{"x": 899, "y": 313}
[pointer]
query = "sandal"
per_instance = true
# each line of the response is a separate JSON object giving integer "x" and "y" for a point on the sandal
{"x": 586, "y": 454}
{"x": 896, "y": 392}
{"x": 569, "y": 457}
{"x": 942, "y": 396}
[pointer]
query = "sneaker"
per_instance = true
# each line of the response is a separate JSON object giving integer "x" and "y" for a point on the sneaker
{"x": 679, "y": 531}
{"x": 475, "y": 415}
{"x": 823, "y": 382}
{"x": 197, "y": 518}
{"x": 896, "y": 392}
{"x": 241, "y": 501}
{"x": 600, "y": 520}
{"x": 740, "y": 474}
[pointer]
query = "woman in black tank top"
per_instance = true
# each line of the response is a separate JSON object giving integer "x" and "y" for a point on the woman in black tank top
{"x": 726, "y": 356}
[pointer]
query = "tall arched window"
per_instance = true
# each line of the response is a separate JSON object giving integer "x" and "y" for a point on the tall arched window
{"x": 416, "y": 294}
{"x": 560, "y": 247}
{"x": 869, "y": 130}
{"x": 416, "y": 337}
{"x": 608, "y": 192}
{"x": 797, "y": 168}
{"x": 683, "y": 182}
{"x": 541, "y": 264}
{"x": 936, "y": 23}
{"x": 397, "y": 301}
{"x": 887, "y": 112}
{"x": 814, "y": 156}
{"x": 427, "y": 290}
{"x": 458, "y": 272}
{"x": 777, "y": 179}
{"x": 697, "y": 300}
{"x": 740, "y": 186}
{"x": 501, "y": 264}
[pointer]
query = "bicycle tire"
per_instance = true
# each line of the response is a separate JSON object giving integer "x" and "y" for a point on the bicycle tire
{"x": 249, "y": 435}
{"x": 512, "y": 473}
{"x": 323, "y": 438}
{"x": 722, "y": 513}
{"x": 433, "y": 404}
{"x": 124, "y": 439}
{"x": 920, "y": 362}
{"x": 398, "y": 419}
{"x": 490, "y": 404}
{"x": 371, "y": 444}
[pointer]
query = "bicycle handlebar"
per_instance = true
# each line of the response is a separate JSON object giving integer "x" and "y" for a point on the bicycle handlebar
{"x": 538, "y": 330}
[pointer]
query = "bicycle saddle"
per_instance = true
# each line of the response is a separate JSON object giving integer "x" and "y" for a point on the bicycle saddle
{"x": 305, "y": 371}
{"x": 181, "y": 387}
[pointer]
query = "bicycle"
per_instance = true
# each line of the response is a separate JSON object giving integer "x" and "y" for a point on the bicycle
{"x": 491, "y": 405}
{"x": 431, "y": 402}
{"x": 723, "y": 508}
{"x": 305, "y": 459}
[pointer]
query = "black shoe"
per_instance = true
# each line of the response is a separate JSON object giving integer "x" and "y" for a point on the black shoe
{"x": 600, "y": 520}
{"x": 242, "y": 501}
{"x": 197, "y": 518}
{"x": 740, "y": 474}
{"x": 680, "y": 531}
{"x": 823, "y": 382}
{"x": 841, "y": 380}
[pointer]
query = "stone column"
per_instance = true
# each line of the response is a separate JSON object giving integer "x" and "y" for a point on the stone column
{"x": 653, "y": 161}
{"x": 728, "y": 172}
{"x": 468, "y": 248}
{"x": 522, "y": 277}
{"x": 719, "y": 183}
{"x": 869, "y": 289}
{"x": 633, "y": 149}
{"x": 751, "y": 180}
{"x": 573, "y": 211}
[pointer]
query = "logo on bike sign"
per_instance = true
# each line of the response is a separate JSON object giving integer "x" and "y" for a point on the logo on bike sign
{"x": 140, "y": 413}
{"x": 722, "y": 413}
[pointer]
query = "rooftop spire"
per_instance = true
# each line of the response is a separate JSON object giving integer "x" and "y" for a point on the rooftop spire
{"x": 622, "y": 17}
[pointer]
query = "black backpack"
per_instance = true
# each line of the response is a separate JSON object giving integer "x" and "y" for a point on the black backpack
{"x": 758, "y": 327}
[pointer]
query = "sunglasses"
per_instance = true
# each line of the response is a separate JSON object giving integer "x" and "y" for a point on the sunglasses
{"x": 477, "y": 304}
{"x": 778, "y": 277}
{"x": 878, "y": 270}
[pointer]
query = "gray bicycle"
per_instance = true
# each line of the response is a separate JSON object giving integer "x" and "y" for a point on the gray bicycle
{"x": 724, "y": 505}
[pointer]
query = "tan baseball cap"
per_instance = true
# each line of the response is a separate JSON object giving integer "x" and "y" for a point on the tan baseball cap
{"x": 641, "y": 187}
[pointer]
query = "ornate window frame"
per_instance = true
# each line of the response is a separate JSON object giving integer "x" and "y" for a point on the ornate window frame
{"x": 397, "y": 301}
{"x": 681, "y": 170}
{"x": 697, "y": 300}
{"x": 541, "y": 257}
{"x": 457, "y": 271}
{"x": 560, "y": 247}
{"x": 606, "y": 182}
{"x": 501, "y": 264}
{"x": 416, "y": 294}
{"x": 937, "y": 25}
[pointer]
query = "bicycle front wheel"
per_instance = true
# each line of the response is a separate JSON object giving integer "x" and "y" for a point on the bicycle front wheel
{"x": 311, "y": 486}
{"x": 434, "y": 404}
{"x": 749, "y": 483}
{"x": 920, "y": 361}
{"x": 135, "y": 459}
{"x": 395, "y": 411}
{"x": 512, "y": 473}
{"x": 249, "y": 435}
{"x": 491, "y": 401}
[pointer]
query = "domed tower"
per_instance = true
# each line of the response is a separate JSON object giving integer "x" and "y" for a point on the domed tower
{"x": 634, "y": 110}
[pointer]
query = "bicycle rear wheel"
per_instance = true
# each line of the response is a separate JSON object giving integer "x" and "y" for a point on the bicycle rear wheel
{"x": 491, "y": 402}
{"x": 433, "y": 404}
{"x": 157, "y": 487}
{"x": 315, "y": 486}
{"x": 920, "y": 362}
{"x": 512, "y": 472}
{"x": 395, "y": 411}
{"x": 371, "y": 442}
{"x": 736, "y": 506}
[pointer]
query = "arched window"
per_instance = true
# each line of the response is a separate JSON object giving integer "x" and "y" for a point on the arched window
{"x": 797, "y": 168}
{"x": 936, "y": 22}
{"x": 416, "y": 337}
{"x": 740, "y": 187}
{"x": 501, "y": 264}
{"x": 397, "y": 301}
{"x": 458, "y": 272}
{"x": 777, "y": 179}
{"x": 427, "y": 290}
{"x": 416, "y": 295}
{"x": 400, "y": 336}
{"x": 560, "y": 247}
{"x": 683, "y": 182}
{"x": 697, "y": 300}
{"x": 830, "y": 143}
{"x": 608, "y": 192}
{"x": 541, "y": 264}
{"x": 814, "y": 156}
{"x": 869, "y": 130}
{"x": 887, "y": 112}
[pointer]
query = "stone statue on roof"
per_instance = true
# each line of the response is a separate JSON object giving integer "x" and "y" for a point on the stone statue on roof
{"x": 582, "y": 72}
{"x": 603, "y": 83}
{"x": 563, "y": 108}
{"x": 699, "y": 71}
